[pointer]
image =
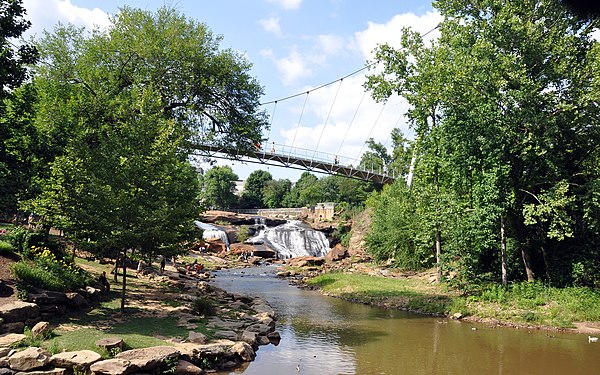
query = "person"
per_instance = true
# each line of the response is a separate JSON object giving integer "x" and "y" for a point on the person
{"x": 163, "y": 263}
{"x": 140, "y": 266}
{"x": 273, "y": 148}
{"x": 103, "y": 281}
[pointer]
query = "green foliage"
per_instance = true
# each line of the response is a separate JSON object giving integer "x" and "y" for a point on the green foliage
{"x": 6, "y": 247}
{"x": 275, "y": 192}
{"x": 254, "y": 188}
{"x": 243, "y": 233}
{"x": 219, "y": 187}
{"x": 203, "y": 306}
{"x": 46, "y": 271}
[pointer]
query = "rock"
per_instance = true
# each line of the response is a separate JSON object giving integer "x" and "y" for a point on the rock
{"x": 40, "y": 329}
{"x": 305, "y": 261}
{"x": 33, "y": 321}
{"x": 110, "y": 343}
{"x": 337, "y": 253}
{"x": 244, "y": 350}
{"x": 457, "y": 316}
{"x": 112, "y": 367}
{"x": 5, "y": 290}
{"x": 76, "y": 300}
{"x": 19, "y": 311}
{"x": 274, "y": 336}
{"x": 262, "y": 307}
{"x": 6, "y": 371}
{"x": 8, "y": 339}
{"x": 92, "y": 292}
{"x": 4, "y": 352}
{"x": 249, "y": 337}
{"x": 264, "y": 253}
{"x": 224, "y": 334}
{"x": 15, "y": 327}
{"x": 197, "y": 337}
{"x": 263, "y": 340}
{"x": 79, "y": 360}
{"x": 29, "y": 359}
{"x": 187, "y": 368}
{"x": 47, "y": 297}
{"x": 54, "y": 371}
{"x": 148, "y": 359}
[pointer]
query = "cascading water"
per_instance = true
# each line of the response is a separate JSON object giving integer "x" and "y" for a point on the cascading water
{"x": 210, "y": 231}
{"x": 293, "y": 239}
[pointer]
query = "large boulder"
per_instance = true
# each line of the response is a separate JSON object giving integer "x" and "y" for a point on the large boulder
{"x": 337, "y": 253}
{"x": 19, "y": 311}
{"x": 29, "y": 359}
{"x": 15, "y": 327}
{"x": 304, "y": 261}
{"x": 187, "y": 368}
{"x": 112, "y": 367}
{"x": 9, "y": 339}
{"x": 244, "y": 351}
{"x": 79, "y": 360}
{"x": 47, "y": 297}
{"x": 149, "y": 359}
{"x": 76, "y": 300}
{"x": 40, "y": 329}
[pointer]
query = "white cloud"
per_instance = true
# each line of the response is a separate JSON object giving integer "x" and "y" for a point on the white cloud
{"x": 271, "y": 25}
{"x": 44, "y": 15}
{"x": 287, "y": 4}
{"x": 389, "y": 32}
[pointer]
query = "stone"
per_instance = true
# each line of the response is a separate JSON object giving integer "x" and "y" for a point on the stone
{"x": 110, "y": 343}
{"x": 249, "y": 337}
{"x": 19, "y": 311}
{"x": 4, "y": 352}
{"x": 76, "y": 300}
{"x": 337, "y": 253}
{"x": 6, "y": 371}
{"x": 263, "y": 340}
{"x": 112, "y": 367}
{"x": 149, "y": 359}
{"x": 47, "y": 297}
{"x": 225, "y": 334}
{"x": 197, "y": 337}
{"x": 79, "y": 360}
{"x": 14, "y": 327}
{"x": 244, "y": 350}
{"x": 8, "y": 339}
{"x": 263, "y": 308}
{"x": 54, "y": 371}
{"x": 457, "y": 316}
{"x": 33, "y": 321}
{"x": 274, "y": 336}
{"x": 259, "y": 328}
{"x": 40, "y": 329}
{"x": 29, "y": 359}
{"x": 187, "y": 368}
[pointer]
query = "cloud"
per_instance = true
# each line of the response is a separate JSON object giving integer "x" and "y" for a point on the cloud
{"x": 44, "y": 14}
{"x": 271, "y": 25}
{"x": 287, "y": 4}
{"x": 389, "y": 32}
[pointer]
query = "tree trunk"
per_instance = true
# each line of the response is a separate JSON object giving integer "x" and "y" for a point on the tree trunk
{"x": 527, "y": 263}
{"x": 438, "y": 252}
{"x": 124, "y": 281}
{"x": 503, "y": 251}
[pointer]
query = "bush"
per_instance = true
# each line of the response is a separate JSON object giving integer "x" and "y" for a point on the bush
{"x": 203, "y": 306}
{"x": 23, "y": 239}
{"x": 46, "y": 271}
{"x": 6, "y": 247}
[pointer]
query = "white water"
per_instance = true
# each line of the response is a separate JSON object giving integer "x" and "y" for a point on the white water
{"x": 210, "y": 231}
{"x": 293, "y": 239}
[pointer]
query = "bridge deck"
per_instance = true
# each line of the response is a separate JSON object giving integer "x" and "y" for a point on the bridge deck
{"x": 294, "y": 160}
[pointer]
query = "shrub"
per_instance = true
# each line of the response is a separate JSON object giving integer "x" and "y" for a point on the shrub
{"x": 6, "y": 247}
{"x": 203, "y": 306}
{"x": 243, "y": 233}
{"x": 46, "y": 271}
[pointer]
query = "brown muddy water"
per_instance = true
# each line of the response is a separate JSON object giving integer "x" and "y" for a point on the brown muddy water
{"x": 322, "y": 335}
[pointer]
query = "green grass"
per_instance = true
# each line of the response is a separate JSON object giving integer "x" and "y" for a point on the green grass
{"x": 411, "y": 294}
{"x": 6, "y": 247}
{"x": 520, "y": 303}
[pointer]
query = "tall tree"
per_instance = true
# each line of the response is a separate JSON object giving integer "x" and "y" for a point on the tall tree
{"x": 219, "y": 187}
{"x": 17, "y": 134}
{"x": 275, "y": 192}
{"x": 122, "y": 109}
{"x": 253, "y": 194}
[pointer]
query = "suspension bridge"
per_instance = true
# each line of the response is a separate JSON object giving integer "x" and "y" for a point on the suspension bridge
{"x": 316, "y": 160}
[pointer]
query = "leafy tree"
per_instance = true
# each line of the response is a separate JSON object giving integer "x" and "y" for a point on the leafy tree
{"x": 17, "y": 135}
{"x": 253, "y": 194}
{"x": 219, "y": 187}
{"x": 275, "y": 191}
{"x": 122, "y": 109}
{"x": 502, "y": 105}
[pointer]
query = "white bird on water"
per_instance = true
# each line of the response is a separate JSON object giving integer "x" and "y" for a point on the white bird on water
{"x": 592, "y": 339}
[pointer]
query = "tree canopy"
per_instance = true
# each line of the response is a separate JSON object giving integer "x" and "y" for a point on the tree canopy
{"x": 504, "y": 107}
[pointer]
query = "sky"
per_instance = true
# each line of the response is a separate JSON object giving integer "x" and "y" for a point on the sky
{"x": 295, "y": 46}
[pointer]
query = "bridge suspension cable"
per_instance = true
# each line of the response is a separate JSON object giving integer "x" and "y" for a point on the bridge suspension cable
{"x": 300, "y": 119}
{"x": 327, "y": 118}
{"x": 351, "y": 122}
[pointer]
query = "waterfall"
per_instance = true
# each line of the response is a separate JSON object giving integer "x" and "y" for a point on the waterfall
{"x": 210, "y": 231}
{"x": 293, "y": 239}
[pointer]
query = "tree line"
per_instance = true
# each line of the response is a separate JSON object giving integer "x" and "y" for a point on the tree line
{"x": 506, "y": 183}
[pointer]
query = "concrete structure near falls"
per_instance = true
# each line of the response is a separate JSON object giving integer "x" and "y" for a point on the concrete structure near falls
{"x": 320, "y": 212}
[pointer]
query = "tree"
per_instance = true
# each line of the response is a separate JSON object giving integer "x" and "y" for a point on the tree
{"x": 17, "y": 134}
{"x": 275, "y": 191}
{"x": 503, "y": 110}
{"x": 122, "y": 109}
{"x": 219, "y": 187}
{"x": 253, "y": 194}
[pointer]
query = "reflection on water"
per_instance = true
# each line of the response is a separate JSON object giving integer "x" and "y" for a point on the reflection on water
{"x": 322, "y": 335}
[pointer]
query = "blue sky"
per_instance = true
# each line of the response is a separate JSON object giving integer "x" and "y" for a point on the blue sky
{"x": 294, "y": 46}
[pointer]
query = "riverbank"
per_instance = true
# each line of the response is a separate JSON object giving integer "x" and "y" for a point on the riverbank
{"x": 520, "y": 305}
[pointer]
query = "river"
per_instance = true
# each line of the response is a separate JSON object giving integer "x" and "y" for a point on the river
{"x": 323, "y": 335}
